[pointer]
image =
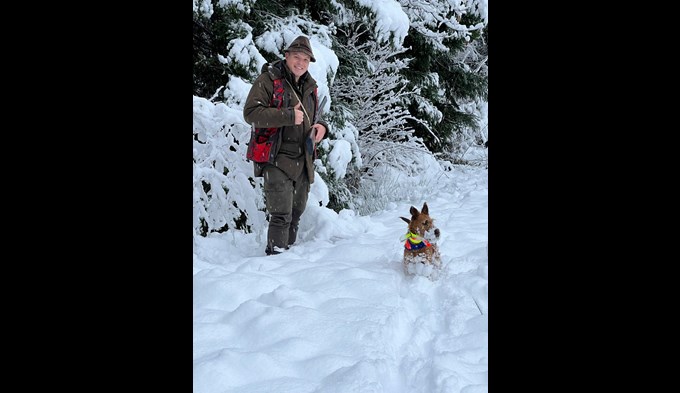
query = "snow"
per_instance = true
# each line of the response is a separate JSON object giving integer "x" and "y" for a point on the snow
{"x": 336, "y": 313}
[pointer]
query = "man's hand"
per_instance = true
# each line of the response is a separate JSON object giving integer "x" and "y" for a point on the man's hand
{"x": 298, "y": 114}
{"x": 320, "y": 131}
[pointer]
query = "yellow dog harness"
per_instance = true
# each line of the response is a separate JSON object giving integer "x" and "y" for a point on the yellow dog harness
{"x": 414, "y": 242}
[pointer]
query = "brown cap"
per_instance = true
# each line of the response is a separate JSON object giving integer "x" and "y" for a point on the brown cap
{"x": 301, "y": 44}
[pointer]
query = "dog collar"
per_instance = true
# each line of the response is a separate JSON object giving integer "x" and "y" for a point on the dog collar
{"x": 414, "y": 242}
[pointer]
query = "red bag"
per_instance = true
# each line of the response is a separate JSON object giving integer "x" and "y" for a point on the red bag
{"x": 263, "y": 141}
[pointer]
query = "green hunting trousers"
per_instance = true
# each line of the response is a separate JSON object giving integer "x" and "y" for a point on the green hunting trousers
{"x": 286, "y": 200}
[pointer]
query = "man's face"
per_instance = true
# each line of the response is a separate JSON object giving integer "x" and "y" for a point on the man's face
{"x": 298, "y": 62}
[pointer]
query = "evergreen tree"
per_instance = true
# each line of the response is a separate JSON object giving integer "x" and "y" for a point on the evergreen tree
{"x": 216, "y": 24}
{"x": 441, "y": 31}
{"x": 213, "y": 29}
{"x": 395, "y": 104}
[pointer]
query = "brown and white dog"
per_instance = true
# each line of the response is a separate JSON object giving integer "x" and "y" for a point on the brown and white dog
{"x": 421, "y": 253}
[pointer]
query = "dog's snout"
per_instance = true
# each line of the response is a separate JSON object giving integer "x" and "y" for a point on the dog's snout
{"x": 436, "y": 232}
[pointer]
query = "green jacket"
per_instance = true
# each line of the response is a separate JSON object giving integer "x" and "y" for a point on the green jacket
{"x": 295, "y": 148}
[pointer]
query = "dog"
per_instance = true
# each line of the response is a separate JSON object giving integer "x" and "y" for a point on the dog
{"x": 421, "y": 252}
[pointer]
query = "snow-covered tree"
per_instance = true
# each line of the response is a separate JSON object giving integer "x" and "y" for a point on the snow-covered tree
{"x": 449, "y": 49}
{"x": 216, "y": 24}
{"x": 369, "y": 95}
{"x": 407, "y": 82}
{"x": 226, "y": 195}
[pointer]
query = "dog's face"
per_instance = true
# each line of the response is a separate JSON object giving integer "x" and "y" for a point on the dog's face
{"x": 422, "y": 224}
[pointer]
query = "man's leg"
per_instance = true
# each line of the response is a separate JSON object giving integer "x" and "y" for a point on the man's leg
{"x": 301, "y": 187}
{"x": 278, "y": 193}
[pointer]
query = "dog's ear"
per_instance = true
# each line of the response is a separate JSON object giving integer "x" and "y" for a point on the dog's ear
{"x": 425, "y": 209}
{"x": 414, "y": 212}
{"x": 406, "y": 219}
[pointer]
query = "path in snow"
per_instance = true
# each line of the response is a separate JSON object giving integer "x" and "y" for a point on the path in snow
{"x": 335, "y": 313}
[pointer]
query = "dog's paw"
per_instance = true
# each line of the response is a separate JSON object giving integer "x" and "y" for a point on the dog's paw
{"x": 425, "y": 270}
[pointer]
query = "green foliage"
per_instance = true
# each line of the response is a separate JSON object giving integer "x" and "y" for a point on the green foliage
{"x": 241, "y": 223}
{"x": 211, "y": 37}
{"x": 455, "y": 83}
{"x": 446, "y": 79}
{"x": 263, "y": 11}
{"x": 338, "y": 195}
{"x": 318, "y": 10}
{"x": 422, "y": 53}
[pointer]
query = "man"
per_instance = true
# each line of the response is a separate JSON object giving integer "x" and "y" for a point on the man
{"x": 289, "y": 173}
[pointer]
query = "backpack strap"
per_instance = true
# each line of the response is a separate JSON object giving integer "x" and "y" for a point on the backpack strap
{"x": 277, "y": 95}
